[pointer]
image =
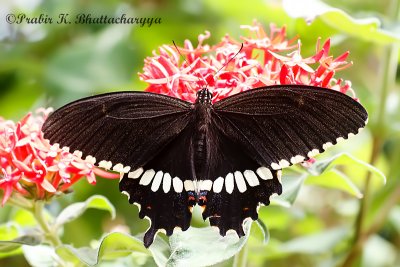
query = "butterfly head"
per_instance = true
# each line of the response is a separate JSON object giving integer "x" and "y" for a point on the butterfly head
{"x": 204, "y": 96}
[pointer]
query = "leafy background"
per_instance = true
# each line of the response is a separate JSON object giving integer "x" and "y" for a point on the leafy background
{"x": 329, "y": 224}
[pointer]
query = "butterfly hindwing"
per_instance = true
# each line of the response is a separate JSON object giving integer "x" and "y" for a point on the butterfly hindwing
{"x": 239, "y": 184}
{"x": 162, "y": 187}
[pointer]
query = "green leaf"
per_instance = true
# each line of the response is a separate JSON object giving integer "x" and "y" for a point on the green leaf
{"x": 335, "y": 179}
{"x": 160, "y": 251}
{"x": 346, "y": 160}
{"x": 112, "y": 246}
{"x": 10, "y": 240}
{"x": 316, "y": 243}
{"x": 205, "y": 246}
{"x": 368, "y": 29}
{"x": 31, "y": 240}
{"x": 116, "y": 245}
{"x": 291, "y": 184}
{"x": 8, "y": 231}
{"x": 264, "y": 230}
{"x": 75, "y": 210}
{"x": 40, "y": 256}
{"x": 77, "y": 256}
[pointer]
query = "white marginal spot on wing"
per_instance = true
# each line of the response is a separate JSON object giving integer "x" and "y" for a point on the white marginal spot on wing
{"x": 148, "y": 218}
{"x": 284, "y": 163}
{"x": 350, "y": 135}
{"x": 188, "y": 184}
{"x": 137, "y": 205}
{"x": 56, "y": 145}
{"x": 297, "y": 159}
{"x": 157, "y": 181}
{"x": 313, "y": 153}
{"x": 118, "y": 167}
{"x": 147, "y": 177}
{"x": 161, "y": 230}
{"x": 205, "y": 185}
{"x": 126, "y": 194}
{"x": 275, "y": 166}
{"x": 264, "y": 173}
{"x": 274, "y": 195}
{"x": 78, "y": 153}
{"x": 360, "y": 130}
{"x": 166, "y": 182}
{"x": 126, "y": 169}
{"x": 279, "y": 175}
{"x": 105, "y": 164}
{"x": 91, "y": 159}
{"x": 327, "y": 145}
{"x": 178, "y": 185}
{"x": 231, "y": 232}
{"x": 218, "y": 184}
{"x": 239, "y": 179}
{"x": 229, "y": 185}
{"x": 135, "y": 174}
{"x": 339, "y": 139}
{"x": 177, "y": 229}
{"x": 251, "y": 178}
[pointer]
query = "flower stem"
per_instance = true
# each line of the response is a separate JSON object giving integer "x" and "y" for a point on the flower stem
{"x": 21, "y": 202}
{"x": 49, "y": 233}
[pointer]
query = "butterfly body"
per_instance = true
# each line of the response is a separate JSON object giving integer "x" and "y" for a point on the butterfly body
{"x": 225, "y": 156}
{"x": 202, "y": 133}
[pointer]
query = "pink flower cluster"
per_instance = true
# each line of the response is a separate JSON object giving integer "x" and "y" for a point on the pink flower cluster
{"x": 32, "y": 167}
{"x": 266, "y": 59}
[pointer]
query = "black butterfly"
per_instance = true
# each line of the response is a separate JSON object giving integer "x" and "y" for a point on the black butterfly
{"x": 226, "y": 157}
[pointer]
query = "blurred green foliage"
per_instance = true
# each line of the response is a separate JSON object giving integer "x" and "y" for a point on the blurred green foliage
{"x": 50, "y": 65}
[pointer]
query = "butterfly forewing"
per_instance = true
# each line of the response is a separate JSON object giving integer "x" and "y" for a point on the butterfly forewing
{"x": 124, "y": 127}
{"x": 284, "y": 125}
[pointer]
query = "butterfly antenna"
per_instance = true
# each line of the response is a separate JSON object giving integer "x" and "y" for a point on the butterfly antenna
{"x": 191, "y": 68}
{"x": 226, "y": 63}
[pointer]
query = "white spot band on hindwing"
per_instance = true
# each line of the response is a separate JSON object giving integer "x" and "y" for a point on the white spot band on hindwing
{"x": 177, "y": 184}
{"x": 167, "y": 182}
{"x": 218, "y": 185}
{"x": 239, "y": 179}
{"x": 135, "y": 174}
{"x": 251, "y": 178}
{"x": 157, "y": 181}
{"x": 147, "y": 177}
{"x": 229, "y": 184}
